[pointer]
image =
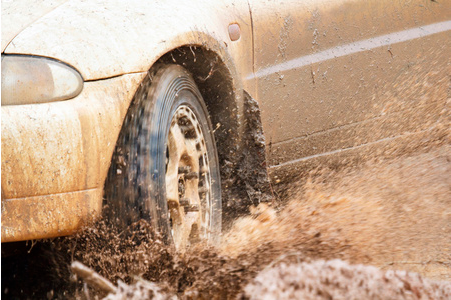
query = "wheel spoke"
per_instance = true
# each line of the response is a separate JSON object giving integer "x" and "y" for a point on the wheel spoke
{"x": 176, "y": 148}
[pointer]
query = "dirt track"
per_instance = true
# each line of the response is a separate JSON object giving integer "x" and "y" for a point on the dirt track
{"x": 390, "y": 213}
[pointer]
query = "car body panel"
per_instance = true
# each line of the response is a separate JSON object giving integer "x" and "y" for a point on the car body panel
{"x": 327, "y": 75}
{"x": 64, "y": 146}
{"x": 18, "y": 15}
{"x": 59, "y": 153}
{"x": 329, "y": 72}
{"x": 49, "y": 216}
{"x": 55, "y": 158}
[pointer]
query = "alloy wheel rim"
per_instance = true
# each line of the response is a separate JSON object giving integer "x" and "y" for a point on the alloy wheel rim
{"x": 188, "y": 180}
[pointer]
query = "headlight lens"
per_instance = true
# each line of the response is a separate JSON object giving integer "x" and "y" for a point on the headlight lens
{"x": 32, "y": 79}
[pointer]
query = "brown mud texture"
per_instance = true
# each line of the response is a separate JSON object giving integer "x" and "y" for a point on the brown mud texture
{"x": 379, "y": 230}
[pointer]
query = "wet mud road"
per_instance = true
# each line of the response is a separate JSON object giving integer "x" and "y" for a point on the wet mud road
{"x": 388, "y": 214}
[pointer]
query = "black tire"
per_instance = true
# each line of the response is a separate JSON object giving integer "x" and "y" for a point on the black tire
{"x": 136, "y": 183}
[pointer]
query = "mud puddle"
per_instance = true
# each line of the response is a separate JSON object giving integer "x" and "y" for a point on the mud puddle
{"x": 391, "y": 214}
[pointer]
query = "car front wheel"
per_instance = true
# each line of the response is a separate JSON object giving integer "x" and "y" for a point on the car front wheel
{"x": 165, "y": 168}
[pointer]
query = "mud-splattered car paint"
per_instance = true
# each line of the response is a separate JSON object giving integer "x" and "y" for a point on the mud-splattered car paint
{"x": 323, "y": 73}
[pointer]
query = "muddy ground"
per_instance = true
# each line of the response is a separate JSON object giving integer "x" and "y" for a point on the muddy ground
{"x": 389, "y": 214}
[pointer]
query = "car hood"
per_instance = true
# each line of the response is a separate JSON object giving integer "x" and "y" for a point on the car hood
{"x": 19, "y": 14}
{"x": 102, "y": 39}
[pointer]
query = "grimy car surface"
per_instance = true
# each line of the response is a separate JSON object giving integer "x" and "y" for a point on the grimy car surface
{"x": 325, "y": 74}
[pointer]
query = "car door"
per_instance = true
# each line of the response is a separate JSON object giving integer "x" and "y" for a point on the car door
{"x": 336, "y": 75}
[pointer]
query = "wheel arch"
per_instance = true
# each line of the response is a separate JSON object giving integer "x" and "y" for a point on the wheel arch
{"x": 229, "y": 107}
{"x": 236, "y": 120}
{"x": 222, "y": 92}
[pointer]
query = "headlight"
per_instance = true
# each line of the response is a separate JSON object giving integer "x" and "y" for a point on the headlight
{"x": 32, "y": 79}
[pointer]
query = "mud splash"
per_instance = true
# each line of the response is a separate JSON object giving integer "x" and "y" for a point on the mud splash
{"x": 392, "y": 214}
{"x": 336, "y": 279}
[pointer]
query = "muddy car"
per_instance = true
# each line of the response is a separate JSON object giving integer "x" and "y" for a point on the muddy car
{"x": 160, "y": 110}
